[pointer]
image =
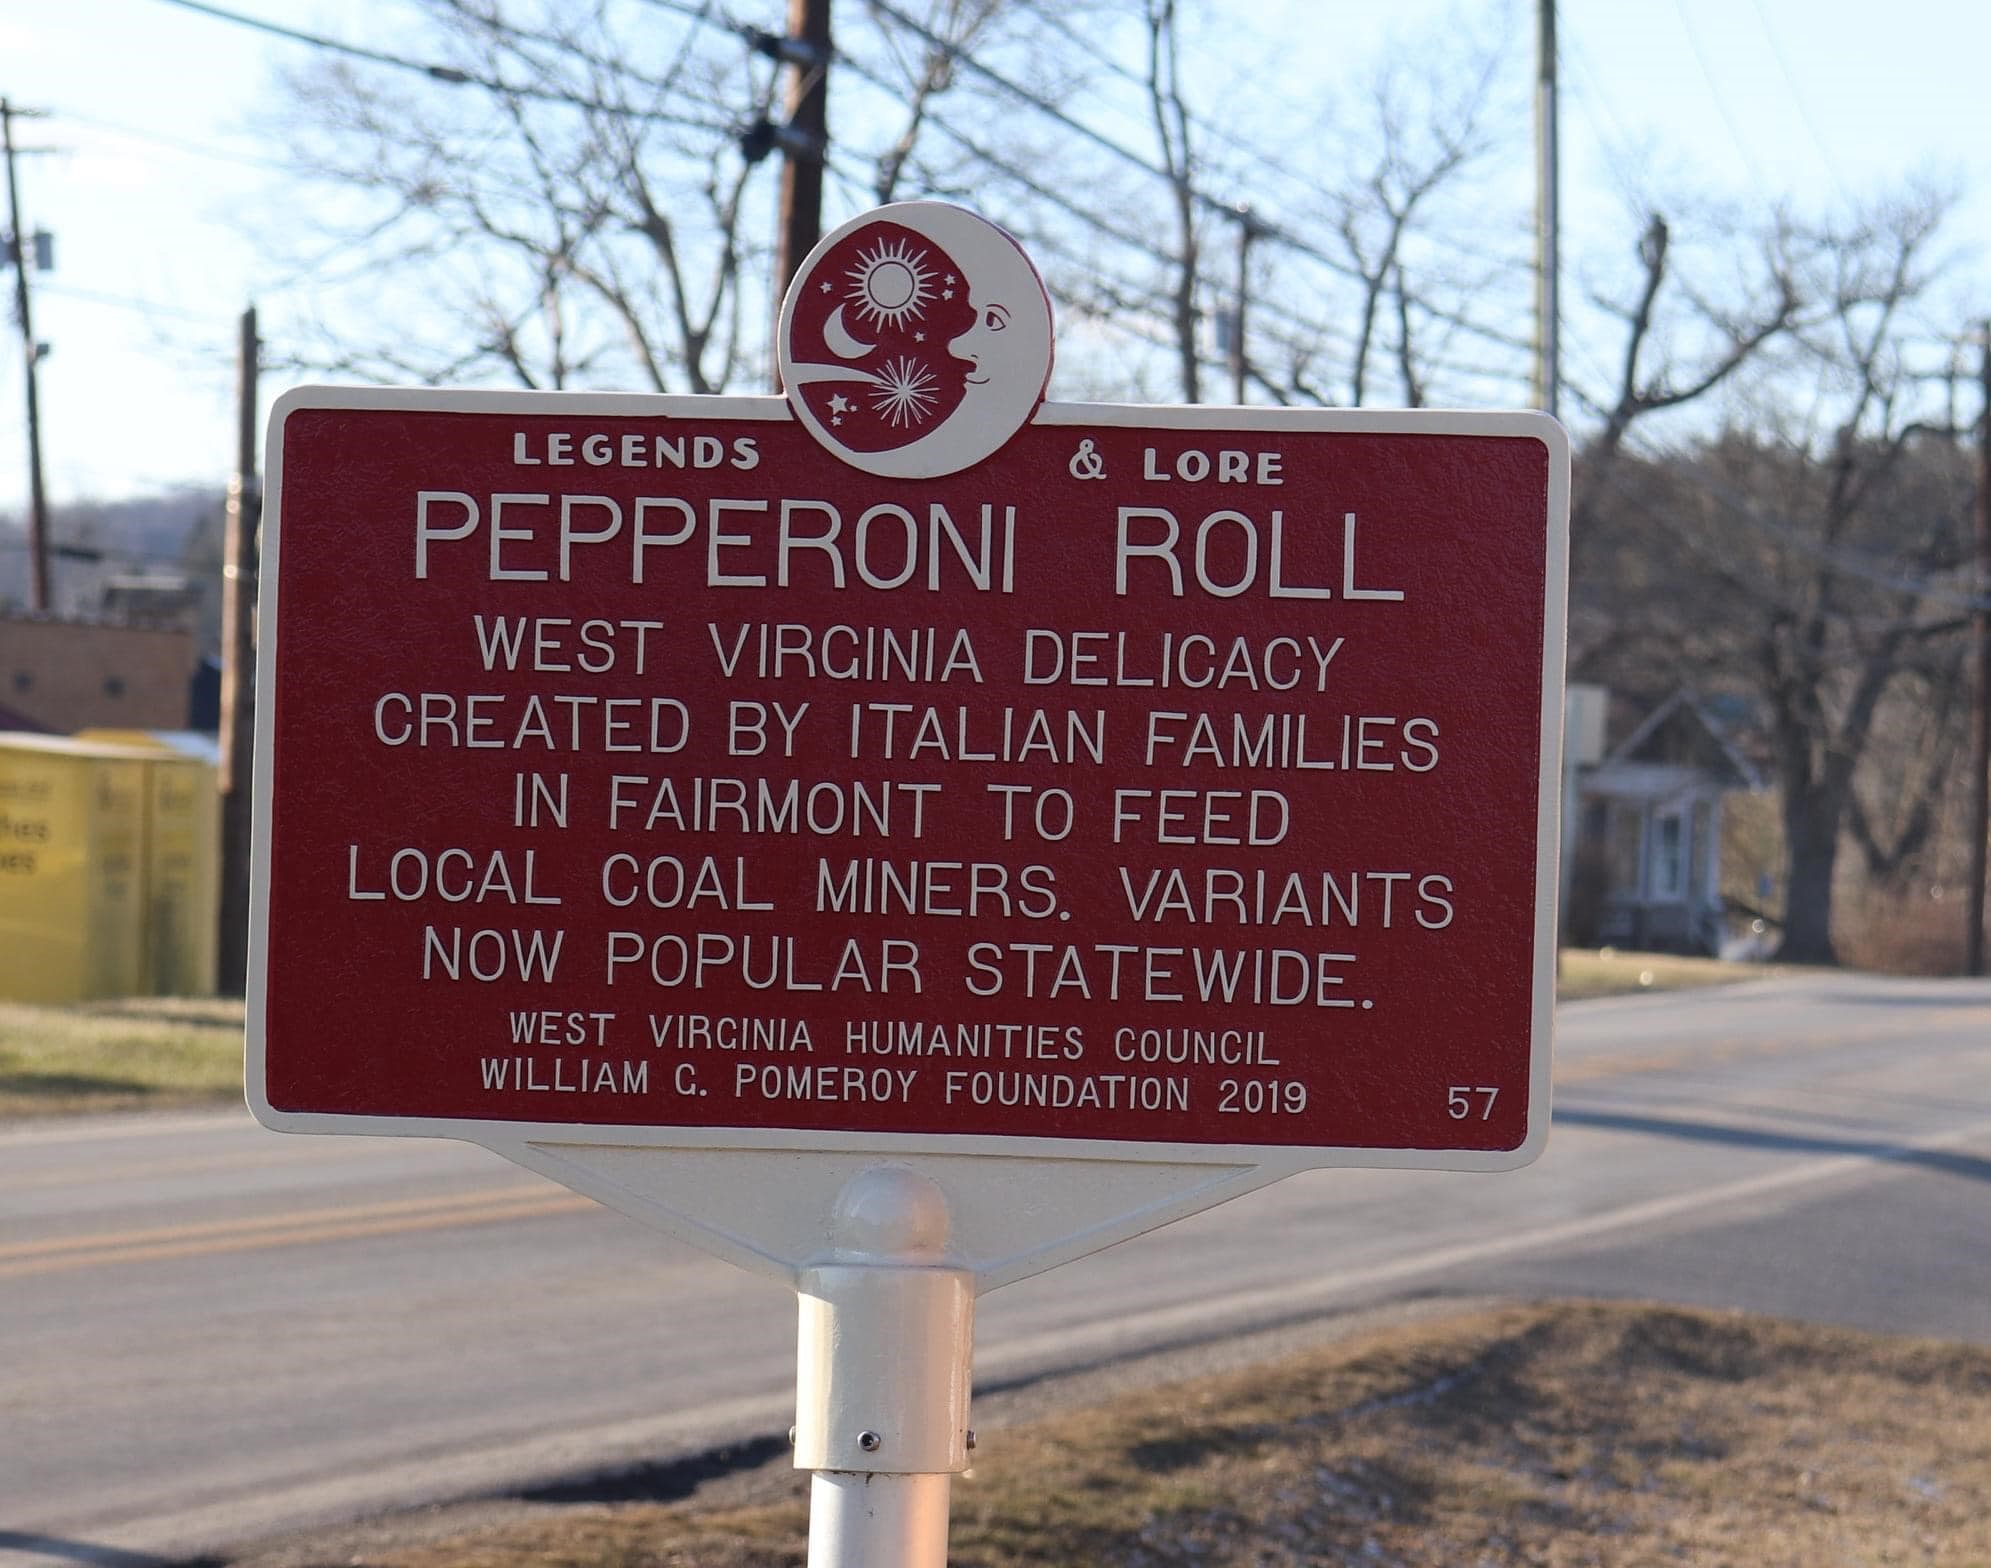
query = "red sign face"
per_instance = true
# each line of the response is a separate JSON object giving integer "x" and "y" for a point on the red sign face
{"x": 1167, "y": 784}
{"x": 1164, "y": 779}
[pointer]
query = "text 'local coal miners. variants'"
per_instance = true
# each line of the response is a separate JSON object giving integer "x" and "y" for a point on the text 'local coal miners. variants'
{"x": 907, "y": 755}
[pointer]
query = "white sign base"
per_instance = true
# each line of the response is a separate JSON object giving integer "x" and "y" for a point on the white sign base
{"x": 1009, "y": 1217}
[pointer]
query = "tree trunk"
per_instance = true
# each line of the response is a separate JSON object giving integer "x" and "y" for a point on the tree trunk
{"x": 1811, "y": 850}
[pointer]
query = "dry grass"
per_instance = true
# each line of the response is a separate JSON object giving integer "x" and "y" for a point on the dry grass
{"x": 104, "y": 1056}
{"x": 1585, "y": 972}
{"x": 1917, "y": 932}
{"x": 1556, "y": 1436}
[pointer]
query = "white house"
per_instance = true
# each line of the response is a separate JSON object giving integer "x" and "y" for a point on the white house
{"x": 1646, "y": 869}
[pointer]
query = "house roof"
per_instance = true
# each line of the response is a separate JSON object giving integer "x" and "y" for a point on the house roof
{"x": 1681, "y": 730}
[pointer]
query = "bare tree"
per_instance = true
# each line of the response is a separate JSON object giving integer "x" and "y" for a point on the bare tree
{"x": 564, "y": 195}
{"x": 581, "y": 201}
{"x": 1682, "y": 343}
{"x": 1419, "y": 154}
{"x": 925, "y": 66}
{"x": 1396, "y": 247}
{"x": 1866, "y": 610}
{"x": 1173, "y": 132}
{"x": 1811, "y": 558}
{"x": 572, "y": 208}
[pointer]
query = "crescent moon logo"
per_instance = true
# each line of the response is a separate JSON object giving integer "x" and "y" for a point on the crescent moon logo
{"x": 838, "y": 337}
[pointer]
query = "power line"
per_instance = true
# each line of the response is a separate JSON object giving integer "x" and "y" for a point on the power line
{"x": 1215, "y": 130}
{"x": 1749, "y": 162}
{"x": 1128, "y": 237}
{"x": 1797, "y": 97}
{"x": 956, "y": 53}
{"x": 1274, "y": 232}
{"x": 1036, "y": 101}
{"x": 1612, "y": 136}
{"x": 706, "y": 13}
{"x": 173, "y": 144}
{"x": 969, "y": 144}
{"x": 1202, "y": 199}
{"x": 1021, "y": 177}
{"x": 518, "y": 39}
{"x": 1220, "y": 133}
{"x": 452, "y": 75}
{"x": 125, "y": 302}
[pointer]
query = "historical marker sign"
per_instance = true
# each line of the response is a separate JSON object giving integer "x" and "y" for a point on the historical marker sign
{"x": 909, "y": 764}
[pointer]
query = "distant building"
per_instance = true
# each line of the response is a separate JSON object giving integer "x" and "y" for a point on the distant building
{"x": 151, "y": 599}
{"x": 62, "y": 675}
{"x": 1646, "y": 867}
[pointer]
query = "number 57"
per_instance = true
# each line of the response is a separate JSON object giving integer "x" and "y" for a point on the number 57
{"x": 1458, "y": 1101}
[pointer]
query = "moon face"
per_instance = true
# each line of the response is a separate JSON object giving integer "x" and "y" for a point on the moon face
{"x": 960, "y": 350}
{"x": 838, "y": 337}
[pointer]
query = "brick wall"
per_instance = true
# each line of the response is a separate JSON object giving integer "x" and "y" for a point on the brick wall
{"x": 67, "y": 675}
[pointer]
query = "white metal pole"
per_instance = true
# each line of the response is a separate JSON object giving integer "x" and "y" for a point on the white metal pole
{"x": 884, "y": 1353}
{"x": 881, "y": 1519}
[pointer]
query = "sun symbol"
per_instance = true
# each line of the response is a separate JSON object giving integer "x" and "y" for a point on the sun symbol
{"x": 906, "y": 392}
{"x": 889, "y": 283}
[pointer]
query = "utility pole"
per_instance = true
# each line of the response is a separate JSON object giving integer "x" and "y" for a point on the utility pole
{"x": 38, "y": 598}
{"x": 804, "y": 140}
{"x": 240, "y": 560}
{"x": 1548, "y": 311}
{"x": 1247, "y": 231}
{"x": 1980, "y": 751}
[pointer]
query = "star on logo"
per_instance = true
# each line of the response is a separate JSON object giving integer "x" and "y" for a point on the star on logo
{"x": 919, "y": 337}
{"x": 826, "y": 288}
{"x": 906, "y": 393}
{"x": 839, "y": 404}
{"x": 946, "y": 293}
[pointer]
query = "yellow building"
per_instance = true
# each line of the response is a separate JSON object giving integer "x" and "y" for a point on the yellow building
{"x": 107, "y": 869}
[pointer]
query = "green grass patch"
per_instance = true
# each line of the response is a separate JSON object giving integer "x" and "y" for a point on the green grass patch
{"x": 108, "y": 1056}
{"x": 1586, "y": 972}
{"x": 1606, "y": 1435}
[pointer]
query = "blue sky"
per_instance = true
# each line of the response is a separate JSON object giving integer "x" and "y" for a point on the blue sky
{"x": 162, "y": 179}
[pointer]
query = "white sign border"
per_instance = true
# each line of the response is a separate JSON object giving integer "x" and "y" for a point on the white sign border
{"x": 1271, "y": 1161}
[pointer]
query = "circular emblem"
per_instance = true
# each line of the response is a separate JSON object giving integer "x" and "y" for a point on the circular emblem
{"x": 915, "y": 340}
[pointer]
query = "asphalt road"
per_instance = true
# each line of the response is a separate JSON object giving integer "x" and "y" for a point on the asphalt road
{"x": 209, "y": 1332}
